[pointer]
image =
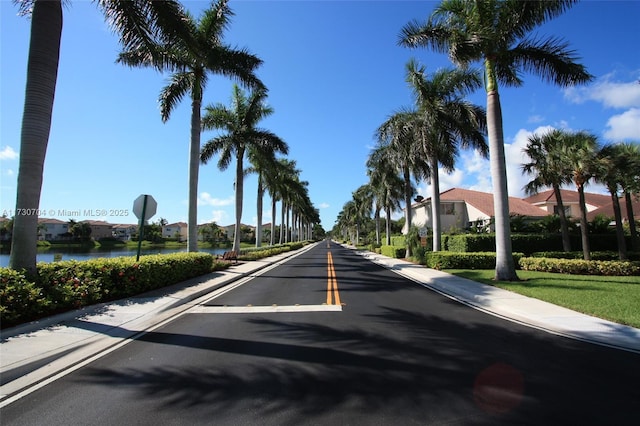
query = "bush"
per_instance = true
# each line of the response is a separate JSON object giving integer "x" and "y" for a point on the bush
{"x": 393, "y": 251}
{"x": 398, "y": 241}
{"x": 62, "y": 286}
{"x": 20, "y": 299}
{"x": 463, "y": 243}
{"x": 581, "y": 267}
{"x": 451, "y": 260}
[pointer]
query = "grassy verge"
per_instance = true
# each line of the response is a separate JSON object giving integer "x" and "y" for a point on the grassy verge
{"x": 612, "y": 298}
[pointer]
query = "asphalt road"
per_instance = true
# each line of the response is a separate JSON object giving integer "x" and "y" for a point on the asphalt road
{"x": 329, "y": 338}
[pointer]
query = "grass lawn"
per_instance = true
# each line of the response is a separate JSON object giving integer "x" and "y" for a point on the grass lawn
{"x": 613, "y": 298}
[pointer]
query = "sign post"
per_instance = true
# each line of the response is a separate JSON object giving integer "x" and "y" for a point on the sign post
{"x": 144, "y": 207}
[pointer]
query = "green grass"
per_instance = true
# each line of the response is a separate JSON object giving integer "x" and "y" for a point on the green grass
{"x": 612, "y": 298}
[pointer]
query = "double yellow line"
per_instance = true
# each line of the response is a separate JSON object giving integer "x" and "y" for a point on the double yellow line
{"x": 333, "y": 297}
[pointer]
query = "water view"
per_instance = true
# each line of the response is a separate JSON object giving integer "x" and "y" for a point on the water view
{"x": 49, "y": 255}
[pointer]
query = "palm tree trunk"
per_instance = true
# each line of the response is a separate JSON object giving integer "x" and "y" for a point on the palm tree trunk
{"x": 388, "y": 225}
{"x": 42, "y": 73}
{"x": 239, "y": 195}
{"x": 564, "y": 227}
{"x": 194, "y": 169}
{"x": 259, "y": 213}
{"x": 282, "y": 225}
{"x": 632, "y": 223}
{"x": 273, "y": 220}
{"x": 584, "y": 226}
{"x": 377, "y": 218}
{"x": 407, "y": 201}
{"x": 435, "y": 205}
{"x": 622, "y": 245}
{"x": 505, "y": 266}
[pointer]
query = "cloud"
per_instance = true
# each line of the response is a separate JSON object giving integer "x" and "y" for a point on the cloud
{"x": 535, "y": 119}
{"x": 219, "y": 216}
{"x": 515, "y": 157}
{"x": 8, "y": 153}
{"x": 324, "y": 205}
{"x": 624, "y": 126}
{"x": 612, "y": 94}
{"x": 205, "y": 199}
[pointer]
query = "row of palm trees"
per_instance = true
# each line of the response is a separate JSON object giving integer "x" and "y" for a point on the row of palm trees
{"x": 166, "y": 37}
{"x": 499, "y": 34}
{"x": 561, "y": 157}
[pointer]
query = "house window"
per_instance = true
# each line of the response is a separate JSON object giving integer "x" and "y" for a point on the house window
{"x": 447, "y": 209}
{"x": 567, "y": 210}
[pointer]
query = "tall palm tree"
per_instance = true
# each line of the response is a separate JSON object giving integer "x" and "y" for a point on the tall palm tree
{"x": 631, "y": 185}
{"x": 137, "y": 22}
{"x": 387, "y": 186}
{"x": 579, "y": 151}
{"x": 399, "y": 132}
{"x": 239, "y": 121}
{"x": 363, "y": 198}
{"x": 446, "y": 121}
{"x": 497, "y": 32}
{"x": 276, "y": 183}
{"x": 612, "y": 164}
{"x": 549, "y": 168}
{"x": 200, "y": 51}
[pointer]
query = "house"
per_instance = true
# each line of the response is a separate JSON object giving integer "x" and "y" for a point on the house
{"x": 99, "y": 229}
{"x": 570, "y": 200}
{"x": 52, "y": 229}
{"x": 177, "y": 230}
{"x": 123, "y": 232}
{"x": 607, "y": 210}
{"x": 462, "y": 208}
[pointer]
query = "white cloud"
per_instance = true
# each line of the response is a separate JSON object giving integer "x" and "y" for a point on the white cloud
{"x": 220, "y": 217}
{"x": 9, "y": 172}
{"x": 535, "y": 119}
{"x": 624, "y": 126}
{"x": 205, "y": 199}
{"x": 515, "y": 157}
{"x": 8, "y": 153}
{"x": 612, "y": 94}
{"x": 324, "y": 205}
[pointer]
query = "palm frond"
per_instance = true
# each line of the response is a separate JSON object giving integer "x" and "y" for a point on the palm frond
{"x": 179, "y": 85}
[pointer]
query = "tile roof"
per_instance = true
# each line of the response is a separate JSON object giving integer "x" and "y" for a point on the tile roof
{"x": 569, "y": 196}
{"x": 483, "y": 201}
{"x": 608, "y": 210}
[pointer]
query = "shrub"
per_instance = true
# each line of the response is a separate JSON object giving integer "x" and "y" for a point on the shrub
{"x": 398, "y": 241}
{"x": 581, "y": 267}
{"x": 451, "y": 260}
{"x": 463, "y": 243}
{"x": 393, "y": 251}
{"x": 20, "y": 299}
{"x": 72, "y": 284}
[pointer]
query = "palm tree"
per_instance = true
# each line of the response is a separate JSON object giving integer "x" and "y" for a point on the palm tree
{"x": 276, "y": 182}
{"x": 239, "y": 121}
{"x": 446, "y": 119}
{"x": 579, "y": 151}
{"x": 137, "y": 22}
{"x": 612, "y": 164}
{"x": 497, "y": 32}
{"x": 631, "y": 185}
{"x": 548, "y": 168}
{"x": 387, "y": 186}
{"x": 191, "y": 58}
{"x": 363, "y": 198}
{"x": 399, "y": 133}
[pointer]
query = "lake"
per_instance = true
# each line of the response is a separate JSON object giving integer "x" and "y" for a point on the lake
{"x": 47, "y": 255}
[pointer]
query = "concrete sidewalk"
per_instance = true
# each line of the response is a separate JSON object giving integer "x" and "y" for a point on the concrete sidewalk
{"x": 36, "y": 353}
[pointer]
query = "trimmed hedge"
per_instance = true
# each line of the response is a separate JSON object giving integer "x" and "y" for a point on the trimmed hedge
{"x": 398, "y": 241}
{"x": 393, "y": 251}
{"x": 62, "y": 286}
{"x": 451, "y": 260}
{"x": 581, "y": 267}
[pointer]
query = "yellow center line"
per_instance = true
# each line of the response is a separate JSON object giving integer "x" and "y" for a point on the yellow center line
{"x": 333, "y": 297}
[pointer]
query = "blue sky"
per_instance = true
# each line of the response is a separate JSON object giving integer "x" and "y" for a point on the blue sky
{"x": 334, "y": 73}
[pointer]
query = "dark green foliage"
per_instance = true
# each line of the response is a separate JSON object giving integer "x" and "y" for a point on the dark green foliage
{"x": 451, "y": 260}
{"x": 62, "y": 286}
{"x": 471, "y": 243}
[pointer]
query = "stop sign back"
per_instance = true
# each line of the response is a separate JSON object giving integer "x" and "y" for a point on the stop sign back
{"x": 139, "y": 208}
